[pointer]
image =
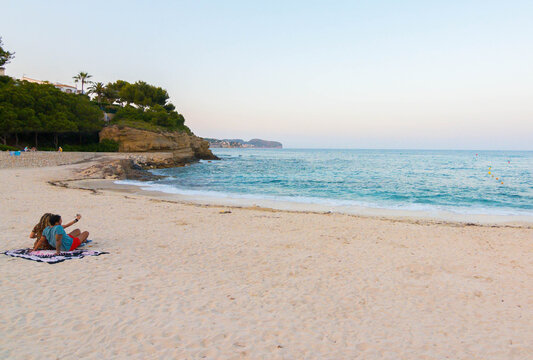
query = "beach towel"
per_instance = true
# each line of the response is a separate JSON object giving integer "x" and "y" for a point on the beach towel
{"x": 50, "y": 257}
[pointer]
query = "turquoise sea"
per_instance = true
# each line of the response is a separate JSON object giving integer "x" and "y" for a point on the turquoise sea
{"x": 454, "y": 181}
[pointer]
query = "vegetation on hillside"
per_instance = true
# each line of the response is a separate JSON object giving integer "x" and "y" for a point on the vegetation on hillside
{"x": 43, "y": 110}
{"x": 143, "y": 103}
{"x": 148, "y": 126}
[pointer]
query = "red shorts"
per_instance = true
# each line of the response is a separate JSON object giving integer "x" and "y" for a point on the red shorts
{"x": 75, "y": 242}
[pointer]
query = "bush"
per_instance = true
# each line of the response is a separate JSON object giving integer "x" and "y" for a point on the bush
{"x": 110, "y": 108}
{"x": 7, "y": 148}
{"x": 105, "y": 145}
{"x": 41, "y": 108}
{"x": 156, "y": 115}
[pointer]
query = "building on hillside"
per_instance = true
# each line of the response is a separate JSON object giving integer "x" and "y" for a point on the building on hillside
{"x": 24, "y": 78}
{"x": 2, "y": 71}
{"x": 65, "y": 88}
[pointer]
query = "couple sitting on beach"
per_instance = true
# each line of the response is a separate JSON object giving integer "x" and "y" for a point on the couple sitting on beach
{"x": 51, "y": 234}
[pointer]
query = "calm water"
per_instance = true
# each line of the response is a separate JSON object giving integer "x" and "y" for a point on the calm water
{"x": 456, "y": 181}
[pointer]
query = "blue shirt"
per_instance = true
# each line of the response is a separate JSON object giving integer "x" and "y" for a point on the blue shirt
{"x": 50, "y": 234}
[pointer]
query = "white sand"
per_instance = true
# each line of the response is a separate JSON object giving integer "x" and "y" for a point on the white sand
{"x": 187, "y": 282}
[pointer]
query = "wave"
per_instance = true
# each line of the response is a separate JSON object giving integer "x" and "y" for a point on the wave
{"x": 330, "y": 202}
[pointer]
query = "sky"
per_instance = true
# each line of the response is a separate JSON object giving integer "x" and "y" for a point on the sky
{"x": 311, "y": 74}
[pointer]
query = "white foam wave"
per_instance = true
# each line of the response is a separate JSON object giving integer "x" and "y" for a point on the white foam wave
{"x": 335, "y": 203}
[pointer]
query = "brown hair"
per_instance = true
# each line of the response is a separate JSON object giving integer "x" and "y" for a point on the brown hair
{"x": 43, "y": 224}
{"x": 38, "y": 230}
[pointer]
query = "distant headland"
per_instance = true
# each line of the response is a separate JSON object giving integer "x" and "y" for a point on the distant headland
{"x": 239, "y": 143}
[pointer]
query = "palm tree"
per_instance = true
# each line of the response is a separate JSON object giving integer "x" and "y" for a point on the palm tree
{"x": 82, "y": 76}
{"x": 97, "y": 89}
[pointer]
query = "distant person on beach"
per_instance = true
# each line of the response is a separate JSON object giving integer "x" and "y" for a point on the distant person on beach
{"x": 50, "y": 233}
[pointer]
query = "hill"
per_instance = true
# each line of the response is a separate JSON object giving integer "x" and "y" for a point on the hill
{"x": 239, "y": 143}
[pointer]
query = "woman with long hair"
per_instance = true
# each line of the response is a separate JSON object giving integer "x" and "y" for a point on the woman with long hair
{"x": 37, "y": 232}
{"x": 56, "y": 236}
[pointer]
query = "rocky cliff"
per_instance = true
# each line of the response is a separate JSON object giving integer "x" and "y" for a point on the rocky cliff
{"x": 184, "y": 147}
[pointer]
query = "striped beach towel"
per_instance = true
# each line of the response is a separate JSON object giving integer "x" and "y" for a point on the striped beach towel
{"x": 50, "y": 256}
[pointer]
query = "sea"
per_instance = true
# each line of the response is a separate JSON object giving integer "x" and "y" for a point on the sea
{"x": 460, "y": 182}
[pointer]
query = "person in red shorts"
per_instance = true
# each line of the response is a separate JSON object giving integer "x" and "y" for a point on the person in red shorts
{"x": 37, "y": 231}
{"x": 57, "y": 237}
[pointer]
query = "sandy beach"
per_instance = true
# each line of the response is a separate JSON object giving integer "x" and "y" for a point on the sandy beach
{"x": 189, "y": 281}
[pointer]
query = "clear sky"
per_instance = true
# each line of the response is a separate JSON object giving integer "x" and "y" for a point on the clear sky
{"x": 342, "y": 74}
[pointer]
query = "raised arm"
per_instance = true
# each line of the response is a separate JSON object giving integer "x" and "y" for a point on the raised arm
{"x": 78, "y": 217}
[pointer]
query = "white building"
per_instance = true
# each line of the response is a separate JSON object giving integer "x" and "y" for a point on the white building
{"x": 24, "y": 78}
{"x": 65, "y": 88}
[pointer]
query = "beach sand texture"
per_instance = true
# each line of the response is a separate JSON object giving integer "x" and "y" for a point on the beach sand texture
{"x": 188, "y": 282}
{"x": 41, "y": 159}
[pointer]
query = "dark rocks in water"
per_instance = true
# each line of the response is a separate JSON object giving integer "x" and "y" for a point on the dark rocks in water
{"x": 133, "y": 171}
{"x": 154, "y": 162}
{"x": 121, "y": 169}
{"x": 135, "y": 166}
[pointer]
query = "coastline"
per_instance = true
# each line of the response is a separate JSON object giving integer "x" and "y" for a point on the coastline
{"x": 412, "y": 216}
{"x": 185, "y": 280}
{"x": 450, "y": 185}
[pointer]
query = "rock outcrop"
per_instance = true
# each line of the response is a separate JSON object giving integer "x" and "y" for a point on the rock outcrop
{"x": 118, "y": 170}
{"x": 131, "y": 166}
{"x": 184, "y": 147}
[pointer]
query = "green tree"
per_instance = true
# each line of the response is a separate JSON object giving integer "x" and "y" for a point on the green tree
{"x": 8, "y": 121}
{"x": 113, "y": 91}
{"x": 140, "y": 93}
{"x": 5, "y": 56}
{"x": 110, "y": 95}
{"x": 97, "y": 89}
{"x": 127, "y": 94}
{"x": 85, "y": 115}
{"x": 28, "y": 107}
{"x": 83, "y": 78}
{"x": 160, "y": 97}
{"x": 56, "y": 123}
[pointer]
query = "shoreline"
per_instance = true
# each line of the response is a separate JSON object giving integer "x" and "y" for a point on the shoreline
{"x": 108, "y": 168}
{"x": 412, "y": 216}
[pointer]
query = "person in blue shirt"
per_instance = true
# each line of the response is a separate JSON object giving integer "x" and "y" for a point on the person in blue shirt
{"x": 37, "y": 232}
{"x": 58, "y": 238}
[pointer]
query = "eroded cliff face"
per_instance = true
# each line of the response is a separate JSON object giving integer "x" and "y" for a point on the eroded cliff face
{"x": 184, "y": 147}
